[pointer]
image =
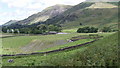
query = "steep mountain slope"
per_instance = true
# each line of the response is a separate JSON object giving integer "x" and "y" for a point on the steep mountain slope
{"x": 97, "y": 14}
{"x": 88, "y": 13}
{"x": 10, "y": 22}
{"x": 45, "y": 14}
{"x": 102, "y": 5}
{"x": 69, "y": 14}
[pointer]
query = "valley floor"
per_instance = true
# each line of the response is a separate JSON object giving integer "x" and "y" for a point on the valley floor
{"x": 80, "y": 56}
{"x": 28, "y": 44}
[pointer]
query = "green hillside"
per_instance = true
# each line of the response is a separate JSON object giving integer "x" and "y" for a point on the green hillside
{"x": 114, "y": 3}
{"x": 100, "y": 53}
{"x": 99, "y": 17}
{"x": 100, "y": 14}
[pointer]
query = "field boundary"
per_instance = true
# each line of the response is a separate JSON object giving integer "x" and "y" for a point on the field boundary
{"x": 57, "y": 50}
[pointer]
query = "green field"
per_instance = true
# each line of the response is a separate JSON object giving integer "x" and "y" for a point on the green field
{"x": 13, "y": 45}
{"x": 70, "y": 30}
{"x": 71, "y": 57}
{"x": 68, "y": 44}
{"x": 100, "y": 53}
{"x": 28, "y": 44}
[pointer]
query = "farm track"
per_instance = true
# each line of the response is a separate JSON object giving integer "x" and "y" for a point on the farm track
{"x": 57, "y": 50}
{"x": 7, "y": 36}
{"x": 11, "y": 36}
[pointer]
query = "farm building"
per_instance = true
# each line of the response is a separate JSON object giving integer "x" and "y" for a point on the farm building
{"x": 62, "y": 33}
{"x": 52, "y": 32}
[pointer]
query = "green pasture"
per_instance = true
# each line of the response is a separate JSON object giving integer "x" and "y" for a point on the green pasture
{"x": 70, "y": 30}
{"x": 68, "y": 44}
{"x": 100, "y": 53}
{"x": 12, "y": 45}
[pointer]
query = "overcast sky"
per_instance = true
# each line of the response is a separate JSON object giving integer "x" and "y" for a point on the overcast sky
{"x": 21, "y": 9}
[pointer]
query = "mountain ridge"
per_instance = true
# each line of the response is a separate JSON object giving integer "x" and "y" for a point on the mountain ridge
{"x": 81, "y": 13}
{"x": 45, "y": 14}
{"x": 10, "y": 22}
{"x": 90, "y": 16}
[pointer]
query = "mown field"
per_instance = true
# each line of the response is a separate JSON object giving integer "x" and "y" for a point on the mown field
{"x": 100, "y": 53}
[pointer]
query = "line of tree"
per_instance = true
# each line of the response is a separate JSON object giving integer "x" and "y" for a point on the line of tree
{"x": 87, "y": 30}
{"x": 40, "y": 29}
{"x": 108, "y": 29}
{"x": 95, "y": 30}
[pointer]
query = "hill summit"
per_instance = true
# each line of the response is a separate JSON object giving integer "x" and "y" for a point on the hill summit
{"x": 45, "y": 14}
